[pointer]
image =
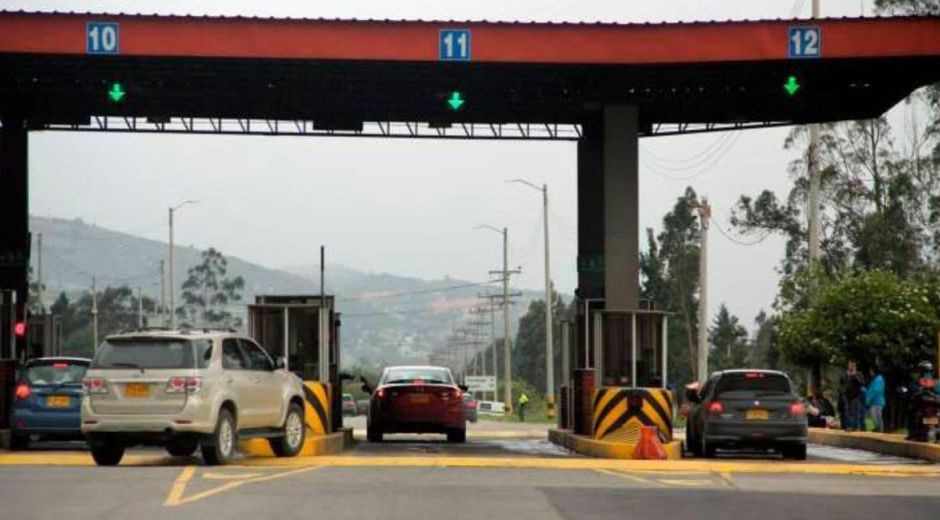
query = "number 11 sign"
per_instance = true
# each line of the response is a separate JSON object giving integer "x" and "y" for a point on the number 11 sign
{"x": 454, "y": 45}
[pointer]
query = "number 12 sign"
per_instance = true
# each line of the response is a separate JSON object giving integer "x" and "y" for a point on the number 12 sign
{"x": 454, "y": 45}
{"x": 805, "y": 42}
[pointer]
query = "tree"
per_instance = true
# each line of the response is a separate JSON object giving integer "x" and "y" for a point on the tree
{"x": 870, "y": 317}
{"x": 207, "y": 292}
{"x": 728, "y": 342}
{"x": 117, "y": 311}
{"x": 880, "y": 202}
{"x": 528, "y": 355}
{"x": 669, "y": 275}
{"x": 765, "y": 353}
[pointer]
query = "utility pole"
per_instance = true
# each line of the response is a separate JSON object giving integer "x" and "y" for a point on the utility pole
{"x": 39, "y": 273}
{"x": 172, "y": 309}
{"x": 814, "y": 381}
{"x": 705, "y": 215}
{"x": 166, "y": 322}
{"x": 549, "y": 308}
{"x": 94, "y": 314}
{"x": 140, "y": 308}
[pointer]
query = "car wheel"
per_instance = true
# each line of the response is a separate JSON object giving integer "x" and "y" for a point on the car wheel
{"x": 107, "y": 454}
{"x": 19, "y": 442}
{"x": 292, "y": 441}
{"x": 373, "y": 433}
{"x": 182, "y": 447}
{"x": 219, "y": 446}
{"x": 797, "y": 452}
{"x": 457, "y": 436}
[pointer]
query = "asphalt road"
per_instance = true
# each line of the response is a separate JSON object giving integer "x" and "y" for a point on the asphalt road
{"x": 506, "y": 470}
{"x": 390, "y": 493}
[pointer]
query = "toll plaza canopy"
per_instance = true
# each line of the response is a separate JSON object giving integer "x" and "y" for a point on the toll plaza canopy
{"x": 66, "y": 67}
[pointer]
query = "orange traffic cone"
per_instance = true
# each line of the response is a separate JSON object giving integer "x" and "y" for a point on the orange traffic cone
{"x": 649, "y": 447}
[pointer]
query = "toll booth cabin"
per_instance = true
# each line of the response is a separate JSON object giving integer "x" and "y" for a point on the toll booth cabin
{"x": 619, "y": 382}
{"x": 304, "y": 330}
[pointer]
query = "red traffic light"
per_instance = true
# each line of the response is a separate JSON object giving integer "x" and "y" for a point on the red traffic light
{"x": 19, "y": 329}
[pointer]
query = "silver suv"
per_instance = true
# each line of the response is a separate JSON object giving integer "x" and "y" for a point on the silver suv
{"x": 186, "y": 390}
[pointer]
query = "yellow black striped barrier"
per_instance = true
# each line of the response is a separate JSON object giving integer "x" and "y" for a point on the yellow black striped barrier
{"x": 317, "y": 407}
{"x": 620, "y": 412}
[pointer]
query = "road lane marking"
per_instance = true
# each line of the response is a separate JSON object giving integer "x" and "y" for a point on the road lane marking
{"x": 628, "y": 476}
{"x": 726, "y": 478}
{"x": 691, "y": 482}
{"x": 176, "y": 496}
{"x": 179, "y": 486}
{"x": 230, "y": 476}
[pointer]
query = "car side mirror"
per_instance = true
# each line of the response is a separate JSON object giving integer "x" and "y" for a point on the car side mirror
{"x": 463, "y": 388}
{"x": 691, "y": 393}
{"x": 366, "y": 387}
{"x": 345, "y": 376}
{"x": 280, "y": 363}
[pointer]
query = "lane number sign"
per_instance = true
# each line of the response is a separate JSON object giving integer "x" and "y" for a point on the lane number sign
{"x": 454, "y": 45}
{"x": 102, "y": 37}
{"x": 805, "y": 42}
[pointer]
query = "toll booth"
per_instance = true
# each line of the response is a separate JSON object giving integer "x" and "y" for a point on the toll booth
{"x": 619, "y": 382}
{"x": 43, "y": 336}
{"x": 304, "y": 330}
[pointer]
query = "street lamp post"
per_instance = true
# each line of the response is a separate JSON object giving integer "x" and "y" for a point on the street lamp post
{"x": 549, "y": 326}
{"x": 172, "y": 309}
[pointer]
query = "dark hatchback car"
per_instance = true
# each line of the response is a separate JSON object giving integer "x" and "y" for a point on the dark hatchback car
{"x": 47, "y": 400}
{"x": 746, "y": 409}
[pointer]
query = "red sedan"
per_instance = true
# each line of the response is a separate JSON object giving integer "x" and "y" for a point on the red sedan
{"x": 416, "y": 399}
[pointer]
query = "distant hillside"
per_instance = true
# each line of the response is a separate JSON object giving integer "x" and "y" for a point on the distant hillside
{"x": 386, "y": 318}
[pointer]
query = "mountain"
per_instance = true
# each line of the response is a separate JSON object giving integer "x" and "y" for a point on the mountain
{"x": 385, "y": 318}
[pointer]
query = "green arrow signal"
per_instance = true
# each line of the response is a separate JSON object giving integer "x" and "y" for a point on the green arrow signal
{"x": 455, "y": 101}
{"x": 116, "y": 93}
{"x": 791, "y": 86}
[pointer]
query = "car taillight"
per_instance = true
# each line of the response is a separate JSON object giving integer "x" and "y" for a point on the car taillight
{"x": 94, "y": 385}
{"x": 715, "y": 407}
{"x": 380, "y": 393}
{"x": 797, "y": 409}
{"x": 178, "y": 385}
{"x": 22, "y": 392}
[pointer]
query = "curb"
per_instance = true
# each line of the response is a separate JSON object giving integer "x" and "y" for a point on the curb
{"x": 314, "y": 445}
{"x": 886, "y": 444}
{"x": 606, "y": 449}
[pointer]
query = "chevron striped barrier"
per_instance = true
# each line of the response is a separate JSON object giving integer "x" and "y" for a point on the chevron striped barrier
{"x": 619, "y": 413}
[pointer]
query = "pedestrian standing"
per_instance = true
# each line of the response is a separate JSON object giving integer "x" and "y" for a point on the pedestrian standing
{"x": 875, "y": 398}
{"x": 851, "y": 385}
{"x": 523, "y": 401}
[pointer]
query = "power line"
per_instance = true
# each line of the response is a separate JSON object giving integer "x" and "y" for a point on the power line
{"x": 695, "y": 160}
{"x": 414, "y": 293}
{"x": 714, "y": 162}
{"x": 736, "y": 241}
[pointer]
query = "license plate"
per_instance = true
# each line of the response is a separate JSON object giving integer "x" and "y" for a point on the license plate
{"x": 757, "y": 415}
{"x": 58, "y": 401}
{"x": 420, "y": 399}
{"x": 137, "y": 390}
{"x": 931, "y": 421}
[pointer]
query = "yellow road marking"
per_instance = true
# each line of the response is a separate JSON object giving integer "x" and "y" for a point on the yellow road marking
{"x": 628, "y": 476}
{"x": 230, "y": 476}
{"x": 179, "y": 486}
{"x": 692, "y": 482}
{"x": 726, "y": 478}
{"x": 668, "y": 466}
{"x": 175, "y": 498}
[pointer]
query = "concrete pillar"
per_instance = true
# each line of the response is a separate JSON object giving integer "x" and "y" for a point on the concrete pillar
{"x": 621, "y": 208}
{"x": 14, "y": 224}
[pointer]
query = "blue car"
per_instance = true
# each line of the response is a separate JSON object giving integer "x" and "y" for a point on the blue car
{"x": 47, "y": 400}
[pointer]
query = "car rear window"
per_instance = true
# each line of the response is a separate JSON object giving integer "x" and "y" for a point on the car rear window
{"x": 763, "y": 383}
{"x": 152, "y": 353}
{"x": 424, "y": 375}
{"x": 55, "y": 372}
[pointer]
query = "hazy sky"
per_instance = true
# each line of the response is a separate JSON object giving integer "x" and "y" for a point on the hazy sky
{"x": 408, "y": 207}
